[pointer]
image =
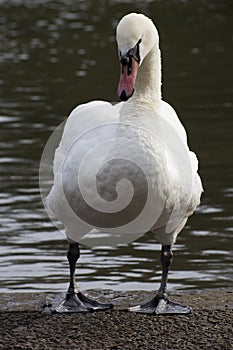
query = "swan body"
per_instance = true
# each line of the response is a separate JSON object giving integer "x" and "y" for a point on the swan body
{"x": 143, "y": 119}
{"x": 140, "y": 140}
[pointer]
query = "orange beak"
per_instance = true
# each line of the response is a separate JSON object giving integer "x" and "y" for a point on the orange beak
{"x": 128, "y": 74}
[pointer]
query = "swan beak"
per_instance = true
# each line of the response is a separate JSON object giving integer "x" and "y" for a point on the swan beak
{"x": 128, "y": 74}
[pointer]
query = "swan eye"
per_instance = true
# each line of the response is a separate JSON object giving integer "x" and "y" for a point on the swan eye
{"x": 126, "y": 60}
{"x": 135, "y": 51}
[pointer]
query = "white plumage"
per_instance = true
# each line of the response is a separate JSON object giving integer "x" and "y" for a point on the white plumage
{"x": 153, "y": 134}
{"x": 141, "y": 140}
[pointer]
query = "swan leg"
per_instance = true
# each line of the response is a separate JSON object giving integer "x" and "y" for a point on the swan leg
{"x": 75, "y": 301}
{"x": 160, "y": 304}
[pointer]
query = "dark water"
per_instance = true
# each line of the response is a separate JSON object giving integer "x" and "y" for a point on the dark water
{"x": 55, "y": 55}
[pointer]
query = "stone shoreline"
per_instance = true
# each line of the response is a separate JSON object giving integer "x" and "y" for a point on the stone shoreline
{"x": 28, "y": 322}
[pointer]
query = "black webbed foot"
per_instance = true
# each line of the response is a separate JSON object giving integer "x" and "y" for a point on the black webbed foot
{"x": 78, "y": 302}
{"x": 161, "y": 305}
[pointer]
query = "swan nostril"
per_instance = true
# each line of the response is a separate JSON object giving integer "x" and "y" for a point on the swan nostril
{"x": 126, "y": 61}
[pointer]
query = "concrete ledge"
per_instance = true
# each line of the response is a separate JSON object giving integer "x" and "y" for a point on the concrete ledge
{"x": 213, "y": 299}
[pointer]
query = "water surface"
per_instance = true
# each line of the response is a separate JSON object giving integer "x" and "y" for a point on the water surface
{"x": 58, "y": 54}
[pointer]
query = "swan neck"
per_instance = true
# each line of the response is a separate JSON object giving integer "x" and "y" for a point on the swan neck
{"x": 148, "y": 83}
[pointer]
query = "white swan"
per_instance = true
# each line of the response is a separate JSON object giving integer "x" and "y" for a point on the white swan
{"x": 150, "y": 136}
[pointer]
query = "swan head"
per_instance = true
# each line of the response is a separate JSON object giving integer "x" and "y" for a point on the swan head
{"x": 136, "y": 35}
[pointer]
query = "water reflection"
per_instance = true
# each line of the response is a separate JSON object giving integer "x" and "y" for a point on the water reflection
{"x": 57, "y": 54}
